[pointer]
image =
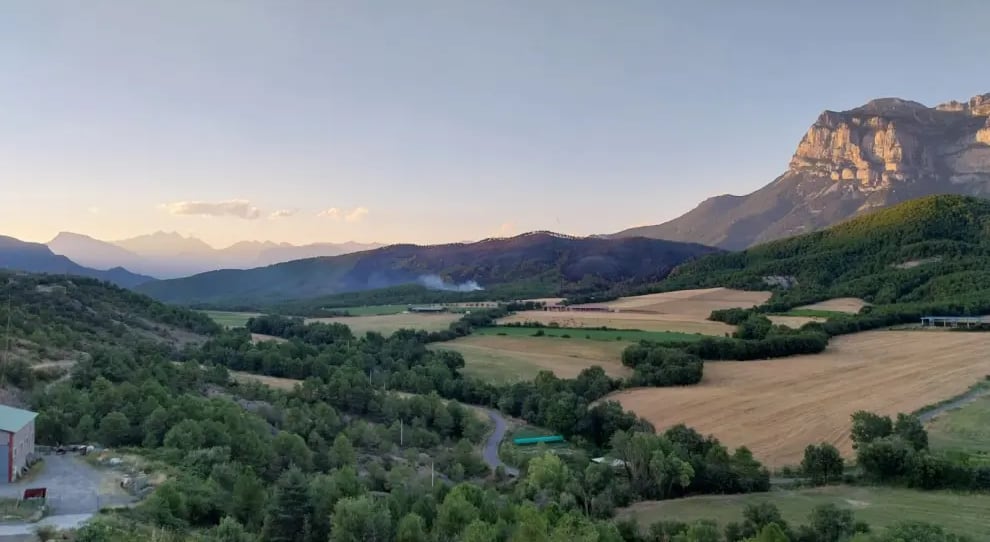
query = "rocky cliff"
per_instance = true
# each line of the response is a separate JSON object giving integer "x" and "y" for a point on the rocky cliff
{"x": 885, "y": 152}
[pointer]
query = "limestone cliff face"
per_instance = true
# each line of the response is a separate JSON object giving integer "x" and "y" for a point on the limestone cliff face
{"x": 850, "y": 162}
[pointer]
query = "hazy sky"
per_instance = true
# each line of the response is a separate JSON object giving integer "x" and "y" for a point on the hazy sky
{"x": 432, "y": 121}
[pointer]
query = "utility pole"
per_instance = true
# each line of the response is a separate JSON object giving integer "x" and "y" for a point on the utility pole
{"x": 400, "y": 432}
{"x": 431, "y": 474}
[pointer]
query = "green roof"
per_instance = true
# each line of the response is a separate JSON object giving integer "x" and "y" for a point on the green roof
{"x": 13, "y": 419}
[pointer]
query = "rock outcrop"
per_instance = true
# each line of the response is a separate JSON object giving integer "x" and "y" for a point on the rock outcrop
{"x": 850, "y": 162}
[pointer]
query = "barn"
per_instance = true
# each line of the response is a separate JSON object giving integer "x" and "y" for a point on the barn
{"x": 16, "y": 441}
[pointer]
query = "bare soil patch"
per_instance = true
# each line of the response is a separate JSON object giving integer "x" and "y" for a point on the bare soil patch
{"x": 260, "y": 337}
{"x": 777, "y": 407}
{"x": 509, "y": 359}
{"x": 850, "y": 305}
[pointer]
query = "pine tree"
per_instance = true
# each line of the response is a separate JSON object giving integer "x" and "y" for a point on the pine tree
{"x": 285, "y": 520}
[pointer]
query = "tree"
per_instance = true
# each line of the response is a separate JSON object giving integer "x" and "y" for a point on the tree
{"x": 479, "y": 531}
{"x": 910, "y": 429}
{"x": 770, "y": 533}
{"x": 247, "y": 500}
{"x": 700, "y": 531}
{"x": 229, "y": 530}
{"x": 361, "y": 520}
{"x": 546, "y": 473}
{"x": 831, "y": 524}
{"x": 290, "y": 449}
{"x": 760, "y": 515}
{"x": 115, "y": 429}
{"x": 286, "y": 516}
{"x": 822, "y": 463}
{"x": 531, "y": 526}
{"x": 917, "y": 532}
{"x": 342, "y": 453}
{"x": 868, "y": 427}
{"x": 885, "y": 458}
{"x": 412, "y": 528}
{"x": 454, "y": 514}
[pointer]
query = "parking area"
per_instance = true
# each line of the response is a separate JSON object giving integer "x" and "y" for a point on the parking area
{"x": 74, "y": 486}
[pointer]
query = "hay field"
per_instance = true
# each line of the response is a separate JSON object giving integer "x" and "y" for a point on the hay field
{"x": 685, "y": 311}
{"x": 386, "y": 324}
{"x": 231, "y": 318}
{"x": 512, "y": 359}
{"x": 793, "y": 321}
{"x": 777, "y": 407}
{"x": 879, "y": 506}
{"x": 849, "y": 305}
{"x": 274, "y": 382}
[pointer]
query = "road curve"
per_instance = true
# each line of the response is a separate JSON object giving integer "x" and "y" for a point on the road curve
{"x": 490, "y": 452}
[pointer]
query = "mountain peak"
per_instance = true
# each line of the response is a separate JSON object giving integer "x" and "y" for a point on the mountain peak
{"x": 849, "y": 163}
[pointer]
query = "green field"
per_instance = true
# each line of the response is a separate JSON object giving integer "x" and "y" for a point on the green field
{"x": 964, "y": 431}
{"x": 880, "y": 507}
{"x": 373, "y": 310}
{"x": 622, "y": 335}
{"x": 811, "y": 313}
{"x": 231, "y": 319}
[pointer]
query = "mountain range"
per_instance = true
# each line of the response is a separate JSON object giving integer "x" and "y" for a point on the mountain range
{"x": 534, "y": 264}
{"x": 847, "y": 164}
{"x": 170, "y": 255}
{"x": 37, "y": 258}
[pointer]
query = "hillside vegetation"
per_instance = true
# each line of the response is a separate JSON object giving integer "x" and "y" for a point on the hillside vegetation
{"x": 865, "y": 257}
{"x": 535, "y": 264}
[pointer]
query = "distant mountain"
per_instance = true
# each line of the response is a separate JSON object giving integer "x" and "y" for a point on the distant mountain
{"x": 539, "y": 263}
{"x": 931, "y": 249}
{"x": 37, "y": 258}
{"x": 849, "y": 163}
{"x": 170, "y": 255}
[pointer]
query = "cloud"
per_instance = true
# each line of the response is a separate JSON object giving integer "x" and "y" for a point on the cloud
{"x": 356, "y": 214}
{"x": 282, "y": 213}
{"x": 239, "y": 208}
{"x": 332, "y": 213}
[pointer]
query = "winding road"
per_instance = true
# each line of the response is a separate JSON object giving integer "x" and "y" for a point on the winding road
{"x": 960, "y": 401}
{"x": 490, "y": 452}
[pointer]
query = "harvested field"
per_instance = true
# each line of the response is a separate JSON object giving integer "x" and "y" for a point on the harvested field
{"x": 777, "y": 407}
{"x": 274, "y": 382}
{"x": 511, "y": 359}
{"x": 793, "y": 321}
{"x": 850, "y": 305}
{"x": 685, "y": 311}
{"x": 386, "y": 324}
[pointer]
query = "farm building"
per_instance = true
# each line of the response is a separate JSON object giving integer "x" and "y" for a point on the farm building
{"x": 16, "y": 440}
{"x": 955, "y": 321}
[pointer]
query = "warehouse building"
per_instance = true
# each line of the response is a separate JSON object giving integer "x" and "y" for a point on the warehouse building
{"x": 16, "y": 441}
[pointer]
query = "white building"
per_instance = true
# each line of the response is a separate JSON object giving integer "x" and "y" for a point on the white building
{"x": 16, "y": 441}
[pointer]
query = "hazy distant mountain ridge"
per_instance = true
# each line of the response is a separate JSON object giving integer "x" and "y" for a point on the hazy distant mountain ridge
{"x": 848, "y": 163}
{"x": 535, "y": 264}
{"x": 37, "y": 258}
{"x": 170, "y": 255}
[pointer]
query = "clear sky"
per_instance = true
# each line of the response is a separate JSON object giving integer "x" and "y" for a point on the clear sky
{"x": 431, "y": 121}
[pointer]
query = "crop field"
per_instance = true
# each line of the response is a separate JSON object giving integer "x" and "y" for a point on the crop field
{"x": 386, "y": 324}
{"x": 374, "y": 310}
{"x": 513, "y": 359}
{"x": 231, "y": 319}
{"x": 847, "y": 305}
{"x": 777, "y": 407}
{"x": 684, "y": 311}
{"x": 879, "y": 506}
{"x": 588, "y": 334}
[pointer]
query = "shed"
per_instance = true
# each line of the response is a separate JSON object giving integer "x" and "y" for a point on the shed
{"x": 16, "y": 441}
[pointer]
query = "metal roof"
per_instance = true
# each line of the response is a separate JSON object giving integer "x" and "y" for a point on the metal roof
{"x": 13, "y": 419}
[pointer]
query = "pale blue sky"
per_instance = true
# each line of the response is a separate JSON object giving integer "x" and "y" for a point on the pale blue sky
{"x": 444, "y": 120}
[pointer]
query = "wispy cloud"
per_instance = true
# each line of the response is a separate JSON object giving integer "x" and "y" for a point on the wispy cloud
{"x": 239, "y": 208}
{"x": 356, "y": 214}
{"x": 282, "y": 213}
{"x": 332, "y": 213}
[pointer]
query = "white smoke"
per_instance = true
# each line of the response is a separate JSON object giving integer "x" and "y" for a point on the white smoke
{"x": 434, "y": 282}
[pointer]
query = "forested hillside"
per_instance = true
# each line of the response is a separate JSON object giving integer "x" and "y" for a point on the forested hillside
{"x": 530, "y": 265}
{"x": 933, "y": 249}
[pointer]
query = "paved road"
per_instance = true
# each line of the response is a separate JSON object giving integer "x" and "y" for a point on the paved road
{"x": 960, "y": 401}
{"x": 73, "y": 485}
{"x": 490, "y": 452}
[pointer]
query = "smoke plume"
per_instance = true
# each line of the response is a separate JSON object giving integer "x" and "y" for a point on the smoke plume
{"x": 434, "y": 282}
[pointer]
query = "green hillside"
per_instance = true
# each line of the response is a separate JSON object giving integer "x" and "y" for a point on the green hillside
{"x": 932, "y": 249}
{"x": 55, "y": 319}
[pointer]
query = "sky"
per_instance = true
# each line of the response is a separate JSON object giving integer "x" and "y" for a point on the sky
{"x": 436, "y": 120}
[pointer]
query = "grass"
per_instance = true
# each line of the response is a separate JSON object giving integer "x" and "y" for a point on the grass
{"x": 964, "y": 432}
{"x": 811, "y": 313}
{"x": 621, "y": 335}
{"x": 879, "y": 506}
{"x": 231, "y": 319}
{"x": 16, "y": 510}
{"x": 518, "y": 455}
{"x": 373, "y": 310}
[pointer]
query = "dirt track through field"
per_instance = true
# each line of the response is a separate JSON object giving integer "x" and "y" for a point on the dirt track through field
{"x": 685, "y": 311}
{"x": 777, "y": 407}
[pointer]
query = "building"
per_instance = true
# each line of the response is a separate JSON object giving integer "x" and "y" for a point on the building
{"x": 16, "y": 441}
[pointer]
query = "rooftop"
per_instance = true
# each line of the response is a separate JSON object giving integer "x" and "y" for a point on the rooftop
{"x": 13, "y": 419}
